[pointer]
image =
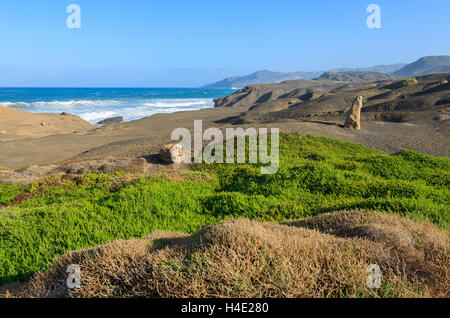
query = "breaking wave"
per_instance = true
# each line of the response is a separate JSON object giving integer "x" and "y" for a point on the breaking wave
{"x": 130, "y": 108}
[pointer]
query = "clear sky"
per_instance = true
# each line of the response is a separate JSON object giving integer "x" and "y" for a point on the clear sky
{"x": 165, "y": 43}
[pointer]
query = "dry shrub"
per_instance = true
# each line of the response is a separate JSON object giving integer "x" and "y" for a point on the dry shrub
{"x": 136, "y": 165}
{"x": 324, "y": 256}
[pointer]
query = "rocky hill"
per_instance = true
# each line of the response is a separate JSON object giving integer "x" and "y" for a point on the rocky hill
{"x": 426, "y": 65}
{"x": 261, "y": 77}
{"x": 292, "y": 90}
{"x": 401, "y": 100}
{"x": 423, "y": 66}
{"x": 388, "y": 69}
{"x": 356, "y": 76}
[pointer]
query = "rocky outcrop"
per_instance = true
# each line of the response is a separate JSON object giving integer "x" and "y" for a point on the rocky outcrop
{"x": 109, "y": 121}
{"x": 353, "y": 116}
{"x": 327, "y": 101}
{"x": 172, "y": 153}
{"x": 257, "y": 94}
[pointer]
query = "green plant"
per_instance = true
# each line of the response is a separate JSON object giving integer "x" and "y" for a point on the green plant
{"x": 403, "y": 83}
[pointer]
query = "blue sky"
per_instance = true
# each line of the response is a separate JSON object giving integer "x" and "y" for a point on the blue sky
{"x": 165, "y": 43}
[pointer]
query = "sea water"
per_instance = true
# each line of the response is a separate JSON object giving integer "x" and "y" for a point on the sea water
{"x": 96, "y": 104}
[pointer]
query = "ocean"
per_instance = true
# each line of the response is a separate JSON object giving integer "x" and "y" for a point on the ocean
{"x": 96, "y": 104}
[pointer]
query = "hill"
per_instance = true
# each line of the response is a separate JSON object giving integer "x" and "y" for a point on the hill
{"x": 402, "y": 100}
{"x": 356, "y": 76}
{"x": 388, "y": 69}
{"x": 426, "y": 65}
{"x": 261, "y": 77}
{"x": 17, "y": 124}
{"x": 266, "y": 77}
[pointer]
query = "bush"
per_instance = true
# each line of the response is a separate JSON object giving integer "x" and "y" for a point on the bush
{"x": 403, "y": 83}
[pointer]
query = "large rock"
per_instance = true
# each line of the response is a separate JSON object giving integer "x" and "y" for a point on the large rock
{"x": 353, "y": 116}
{"x": 442, "y": 117}
{"x": 172, "y": 153}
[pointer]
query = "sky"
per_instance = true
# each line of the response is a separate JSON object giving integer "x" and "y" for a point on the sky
{"x": 188, "y": 43}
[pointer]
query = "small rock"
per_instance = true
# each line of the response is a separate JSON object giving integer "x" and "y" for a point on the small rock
{"x": 44, "y": 124}
{"x": 353, "y": 119}
{"x": 2, "y": 132}
{"x": 112, "y": 120}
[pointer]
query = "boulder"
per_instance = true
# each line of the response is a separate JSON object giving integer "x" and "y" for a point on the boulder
{"x": 112, "y": 120}
{"x": 172, "y": 153}
{"x": 353, "y": 115}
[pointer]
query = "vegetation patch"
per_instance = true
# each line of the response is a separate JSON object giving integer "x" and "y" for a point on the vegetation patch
{"x": 403, "y": 83}
{"x": 323, "y": 256}
{"x": 316, "y": 175}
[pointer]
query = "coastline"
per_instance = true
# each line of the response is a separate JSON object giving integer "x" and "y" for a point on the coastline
{"x": 298, "y": 107}
{"x": 91, "y": 146}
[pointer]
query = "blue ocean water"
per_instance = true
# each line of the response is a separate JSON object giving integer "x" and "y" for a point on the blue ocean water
{"x": 95, "y": 104}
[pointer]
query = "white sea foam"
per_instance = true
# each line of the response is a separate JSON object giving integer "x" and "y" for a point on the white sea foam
{"x": 56, "y": 104}
{"x": 130, "y": 109}
{"x": 95, "y": 117}
{"x": 179, "y": 102}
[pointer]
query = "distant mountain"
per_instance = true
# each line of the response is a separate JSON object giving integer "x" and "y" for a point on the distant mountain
{"x": 356, "y": 76}
{"x": 426, "y": 65}
{"x": 261, "y": 77}
{"x": 388, "y": 69}
{"x": 266, "y": 77}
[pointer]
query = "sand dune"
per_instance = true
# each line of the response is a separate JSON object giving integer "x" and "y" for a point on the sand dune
{"x": 18, "y": 124}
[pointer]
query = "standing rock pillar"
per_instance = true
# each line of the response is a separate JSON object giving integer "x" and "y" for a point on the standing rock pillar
{"x": 353, "y": 115}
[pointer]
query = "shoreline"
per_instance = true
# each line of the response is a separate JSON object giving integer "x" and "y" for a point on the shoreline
{"x": 89, "y": 150}
{"x": 298, "y": 107}
{"x": 97, "y": 104}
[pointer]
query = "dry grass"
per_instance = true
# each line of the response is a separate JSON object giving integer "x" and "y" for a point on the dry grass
{"x": 324, "y": 256}
{"x": 23, "y": 168}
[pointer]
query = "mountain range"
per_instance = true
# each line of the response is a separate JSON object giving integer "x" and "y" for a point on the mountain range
{"x": 423, "y": 66}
